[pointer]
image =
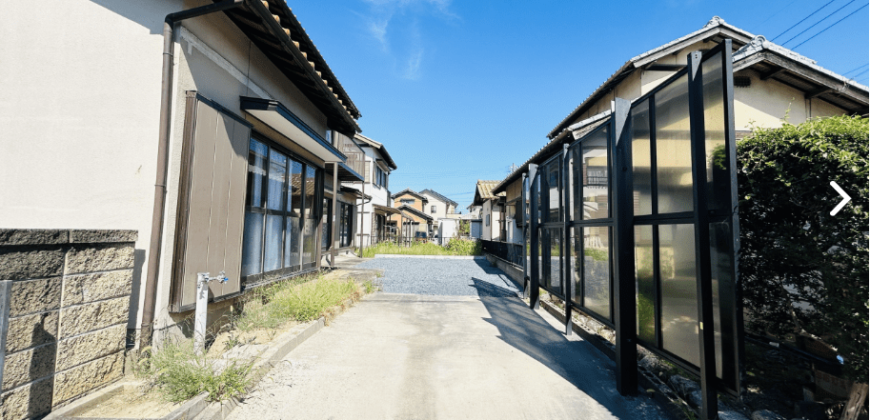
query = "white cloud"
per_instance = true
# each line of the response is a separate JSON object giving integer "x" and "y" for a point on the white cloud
{"x": 394, "y": 25}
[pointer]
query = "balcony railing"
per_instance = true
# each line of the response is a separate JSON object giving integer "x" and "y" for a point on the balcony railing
{"x": 355, "y": 155}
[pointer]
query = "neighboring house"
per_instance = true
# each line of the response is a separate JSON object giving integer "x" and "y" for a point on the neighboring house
{"x": 771, "y": 84}
{"x": 239, "y": 134}
{"x": 474, "y": 210}
{"x": 492, "y": 210}
{"x": 378, "y": 166}
{"x": 438, "y": 205}
{"x": 413, "y": 204}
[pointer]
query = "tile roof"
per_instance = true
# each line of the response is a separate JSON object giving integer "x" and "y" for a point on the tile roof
{"x": 408, "y": 191}
{"x": 715, "y": 25}
{"x": 433, "y": 193}
{"x": 483, "y": 191}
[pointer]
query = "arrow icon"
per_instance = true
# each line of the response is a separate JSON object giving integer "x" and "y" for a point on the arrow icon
{"x": 842, "y": 204}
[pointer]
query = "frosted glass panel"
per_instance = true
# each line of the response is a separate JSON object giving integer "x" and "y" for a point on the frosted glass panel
{"x": 310, "y": 190}
{"x": 550, "y": 191}
{"x": 309, "y": 247}
{"x": 295, "y": 194}
{"x": 596, "y": 270}
{"x": 575, "y": 190}
{"x": 673, "y": 148}
{"x": 641, "y": 161}
{"x": 714, "y": 134}
{"x": 252, "y": 244}
{"x": 679, "y": 291}
{"x": 277, "y": 180}
{"x": 721, "y": 268}
{"x": 273, "y": 242}
{"x": 256, "y": 172}
{"x": 576, "y": 264}
{"x": 294, "y": 237}
{"x": 595, "y": 176}
{"x": 550, "y": 251}
{"x": 646, "y": 288}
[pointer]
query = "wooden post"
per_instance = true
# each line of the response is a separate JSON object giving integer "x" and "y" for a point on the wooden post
{"x": 334, "y": 225}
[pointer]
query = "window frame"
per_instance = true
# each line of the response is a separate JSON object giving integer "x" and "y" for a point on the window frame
{"x": 262, "y": 277}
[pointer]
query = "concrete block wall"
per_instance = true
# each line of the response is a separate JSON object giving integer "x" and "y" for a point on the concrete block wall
{"x": 70, "y": 299}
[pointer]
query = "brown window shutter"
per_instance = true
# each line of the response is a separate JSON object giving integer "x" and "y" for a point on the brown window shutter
{"x": 211, "y": 207}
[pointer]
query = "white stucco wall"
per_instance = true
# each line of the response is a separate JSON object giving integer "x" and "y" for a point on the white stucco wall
{"x": 84, "y": 106}
{"x": 380, "y": 195}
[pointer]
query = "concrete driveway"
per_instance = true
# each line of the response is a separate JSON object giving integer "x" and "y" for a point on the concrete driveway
{"x": 416, "y": 356}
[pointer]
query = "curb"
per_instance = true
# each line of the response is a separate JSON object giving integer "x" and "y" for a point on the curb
{"x": 268, "y": 360}
{"x": 433, "y": 257}
{"x": 188, "y": 410}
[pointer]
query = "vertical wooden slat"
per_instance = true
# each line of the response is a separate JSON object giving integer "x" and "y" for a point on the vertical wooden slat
{"x": 220, "y": 175}
{"x": 199, "y": 201}
{"x": 238, "y": 169}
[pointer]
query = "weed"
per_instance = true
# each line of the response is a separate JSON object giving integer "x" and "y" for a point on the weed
{"x": 455, "y": 247}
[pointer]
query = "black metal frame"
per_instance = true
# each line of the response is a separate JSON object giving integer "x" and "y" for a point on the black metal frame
{"x": 253, "y": 280}
{"x": 621, "y": 224}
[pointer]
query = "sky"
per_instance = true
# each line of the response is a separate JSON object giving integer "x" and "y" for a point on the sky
{"x": 459, "y": 90}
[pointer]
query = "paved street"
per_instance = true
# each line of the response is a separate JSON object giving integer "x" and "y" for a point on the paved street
{"x": 416, "y": 356}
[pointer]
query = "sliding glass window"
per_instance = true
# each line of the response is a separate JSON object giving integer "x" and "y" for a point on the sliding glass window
{"x": 274, "y": 224}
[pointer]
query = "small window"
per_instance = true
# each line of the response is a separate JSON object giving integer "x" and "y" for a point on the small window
{"x": 487, "y": 220}
{"x": 434, "y": 209}
{"x": 408, "y": 201}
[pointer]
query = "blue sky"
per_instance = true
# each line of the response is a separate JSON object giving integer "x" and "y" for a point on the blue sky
{"x": 458, "y": 91}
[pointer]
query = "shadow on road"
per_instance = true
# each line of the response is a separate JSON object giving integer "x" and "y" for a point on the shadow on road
{"x": 578, "y": 362}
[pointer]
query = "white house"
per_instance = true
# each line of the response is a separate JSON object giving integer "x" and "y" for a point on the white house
{"x": 378, "y": 167}
{"x": 491, "y": 210}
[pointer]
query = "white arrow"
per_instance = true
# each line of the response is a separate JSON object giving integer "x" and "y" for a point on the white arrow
{"x": 842, "y": 204}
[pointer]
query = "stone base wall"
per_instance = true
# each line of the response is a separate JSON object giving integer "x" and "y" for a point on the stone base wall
{"x": 513, "y": 272}
{"x": 70, "y": 297}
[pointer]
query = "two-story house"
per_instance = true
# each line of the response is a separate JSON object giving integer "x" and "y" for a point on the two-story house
{"x": 376, "y": 208}
{"x": 414, "y": 220}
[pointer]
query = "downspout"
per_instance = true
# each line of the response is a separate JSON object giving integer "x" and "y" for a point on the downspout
{"x": 149, "y": 306}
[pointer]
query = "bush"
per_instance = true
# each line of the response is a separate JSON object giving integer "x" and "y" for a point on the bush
{"x": 805, "y": 272}
{"x": 464, "y": 247}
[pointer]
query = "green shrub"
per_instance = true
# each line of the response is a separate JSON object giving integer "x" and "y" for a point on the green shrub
{"x": 180, "y": 374}
{"x": 464, "y": 247}
{"x": 804, "y": 272}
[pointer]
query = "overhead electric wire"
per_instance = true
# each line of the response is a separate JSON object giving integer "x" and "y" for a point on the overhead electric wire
{"x": 829, "y": 27}
{"x": 777, "y": 13}
{"x": 802, "y": 20}
{"x": 857, "y": 68}
{"x": 820, "y": 21}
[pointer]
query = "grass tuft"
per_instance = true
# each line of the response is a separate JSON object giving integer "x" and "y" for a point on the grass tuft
{"x": 459, "y": 247}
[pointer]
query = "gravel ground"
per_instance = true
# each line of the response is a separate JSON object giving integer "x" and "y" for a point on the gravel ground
{"x": 445, "y": 277}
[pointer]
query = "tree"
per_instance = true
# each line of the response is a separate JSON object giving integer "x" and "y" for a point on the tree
{"x": 805, "y": 272}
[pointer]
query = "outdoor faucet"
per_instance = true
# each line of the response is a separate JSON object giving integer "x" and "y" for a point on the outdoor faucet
{"x": 201, "y": 313}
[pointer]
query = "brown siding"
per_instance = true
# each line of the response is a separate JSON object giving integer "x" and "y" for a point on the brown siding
{"x": 211, "y": 206}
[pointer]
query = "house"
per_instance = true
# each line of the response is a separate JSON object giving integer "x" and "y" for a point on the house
{"x": 492, "y": 210}
{"x": 771, "y": 83}
{"x": 438, "y": 205}
{"x": 372, "y": 225}
{"x": 232, "y": 132}
{"x": 414, "y": 218}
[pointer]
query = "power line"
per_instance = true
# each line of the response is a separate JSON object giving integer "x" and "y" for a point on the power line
{"x": 802, "y": 20}
{"x": 857, "y": 68}
{"x": 776, "y": 14}
{"x": 820, "y": 21}
{"x": 858, "y": 74}
{"x": 832, "y": 25}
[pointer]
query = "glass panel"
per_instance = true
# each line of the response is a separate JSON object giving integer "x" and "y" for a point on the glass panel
{"x": 679, "y": 291}
{"x": 252, "y": 244}
{"x": 309, "y": 250}
{"x": 327, "y": 226}
{"x": 576, "y": 264}
{"x": 551, "y": 244}
{"x": 673, "y": 148}
{"x": 546, "y": 256}
{"x": 553, "y": 191}
{"x": 721, "y": 267}
{"x": 310, "y": 191}
{"x": 273, "y": 242}
{"x": 646, "y": 288}
{"x": 277, "y": 178}
{"x": 596, "y": 270}
{"x": 595, "y": 180}
{"x": 575, "y": 182}
{"x": 294, "y": 197}
{"x": 641, "y": 160}
{"x": 291, "y": 257}
{"x": 256, "y": 172}
{"x": 714, "y": 134}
